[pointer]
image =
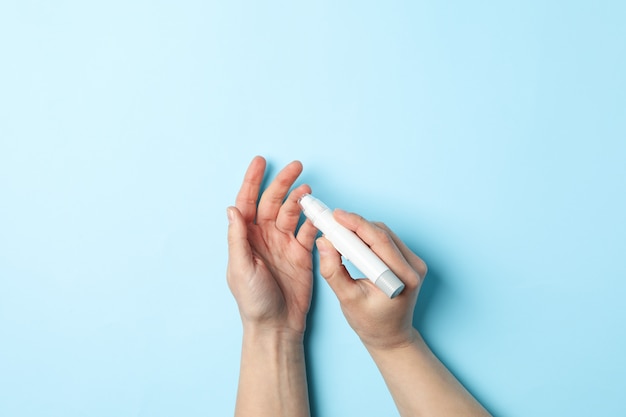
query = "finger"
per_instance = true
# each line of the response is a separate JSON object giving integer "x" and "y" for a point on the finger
{"x": 239, "y": 250}
{"x": 248, "y": 195}
{"x": 333, "y": 271}
{"x": 307, "y": 234}
{"x": 273, "y": 197}
{"x": 289, "y": 212}
{"x": 381, "y": 243}
{"x": 415, "y": 261}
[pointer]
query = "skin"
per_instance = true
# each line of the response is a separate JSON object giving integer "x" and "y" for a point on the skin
{"x": 270, "y": 275}
{"x": 419, "y": 383}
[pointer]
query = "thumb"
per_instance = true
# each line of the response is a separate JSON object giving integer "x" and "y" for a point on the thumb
{"x": 333, "y": 271}
{"x": 239, "y": 250}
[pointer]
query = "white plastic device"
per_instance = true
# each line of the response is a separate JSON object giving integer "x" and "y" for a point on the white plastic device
{"x": 351, "y": 246}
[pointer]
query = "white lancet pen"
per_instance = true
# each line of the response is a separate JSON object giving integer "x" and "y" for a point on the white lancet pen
{"x": 351, "y": 246}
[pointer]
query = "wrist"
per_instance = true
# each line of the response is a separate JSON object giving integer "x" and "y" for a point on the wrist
{"x": 411, "y": 338}
{"x": 266, "y": 334}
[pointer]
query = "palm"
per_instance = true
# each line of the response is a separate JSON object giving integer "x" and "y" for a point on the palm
{"x": 284, "y": 269}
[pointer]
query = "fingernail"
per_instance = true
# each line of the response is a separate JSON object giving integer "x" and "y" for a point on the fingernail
{"x": 229, "y": 215}
{"x": 323, "y": 246}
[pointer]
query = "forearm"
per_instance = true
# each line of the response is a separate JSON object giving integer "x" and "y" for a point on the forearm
{"x": 272, "y": 379}
{"x": 420, "y": 384}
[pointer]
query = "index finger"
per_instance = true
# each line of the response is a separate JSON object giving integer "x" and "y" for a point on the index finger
{"x": 382, "y": 243}
{"x": 248, "y": 195}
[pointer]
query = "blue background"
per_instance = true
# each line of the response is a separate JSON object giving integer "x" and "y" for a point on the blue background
{"x": 490, "y": 135}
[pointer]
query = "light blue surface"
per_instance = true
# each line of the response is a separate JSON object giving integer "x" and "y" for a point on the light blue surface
{"x": 490, "y": 135}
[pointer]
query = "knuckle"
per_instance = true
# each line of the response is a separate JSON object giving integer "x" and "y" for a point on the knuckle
{"x": 327, "y": 269}
{"x": 423, "y": 269}
{"x": 382, "y": 225}
{"x": 382, "y": 236}
{"x": 413, "y": 279}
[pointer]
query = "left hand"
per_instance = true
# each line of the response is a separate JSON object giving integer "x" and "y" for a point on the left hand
{"x": 269, "y": 261}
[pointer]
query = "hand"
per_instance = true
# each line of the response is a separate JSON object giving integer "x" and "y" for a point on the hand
{"x": 270, "y": 263}
{"x": 380, "y": 322}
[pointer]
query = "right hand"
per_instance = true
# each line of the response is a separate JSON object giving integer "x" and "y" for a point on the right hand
{"x": 380, "y": 322}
